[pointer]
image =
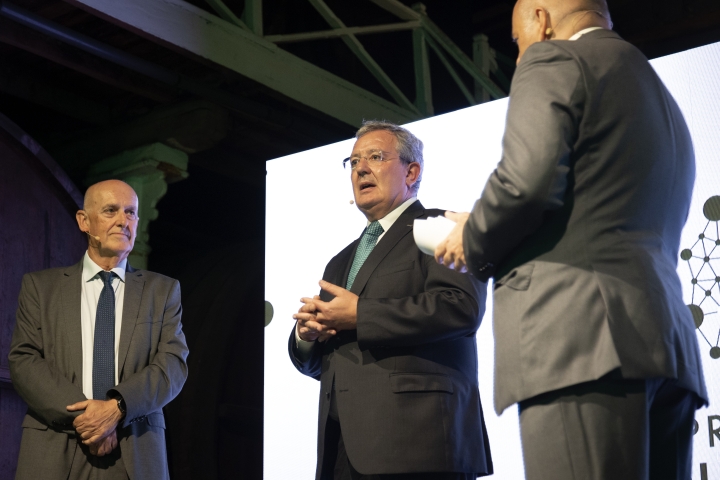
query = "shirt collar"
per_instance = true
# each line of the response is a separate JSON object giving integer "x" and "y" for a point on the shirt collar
{"x": 387, "y": 221}
{"x": 583, "y": 32}
{"x": 91, "y": 269}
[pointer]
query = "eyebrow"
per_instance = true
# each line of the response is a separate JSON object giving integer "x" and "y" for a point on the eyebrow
{"x": 357, "y": 154}
{"x": 117, "y": 206}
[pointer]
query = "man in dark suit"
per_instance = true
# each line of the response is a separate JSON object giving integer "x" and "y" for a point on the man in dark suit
{"x": 392, "y": 336}
{"x": 580, "y": 225}
{"x": 97, "y": 351}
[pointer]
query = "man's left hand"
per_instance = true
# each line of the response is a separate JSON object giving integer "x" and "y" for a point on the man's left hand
{"x": 340, "y": 313}
{"x": 104, "y": 446}
{"x": 450, "y": 251}
{"x": 99, "y": 419}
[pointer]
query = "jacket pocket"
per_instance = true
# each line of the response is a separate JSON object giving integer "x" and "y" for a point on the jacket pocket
{"x": 156, "y": 420}
{"x": 420, "y": 382}
{"x": 519, "y": 278}
{"x": 398, "y": 267}
{"x": 35, "y": 424}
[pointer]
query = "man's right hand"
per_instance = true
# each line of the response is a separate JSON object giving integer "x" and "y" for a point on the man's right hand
{"x": 308, "y": 328}
{"x": 104, "y": 446}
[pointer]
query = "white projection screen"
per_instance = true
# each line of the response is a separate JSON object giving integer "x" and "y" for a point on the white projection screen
{"x": 310, "y": 219}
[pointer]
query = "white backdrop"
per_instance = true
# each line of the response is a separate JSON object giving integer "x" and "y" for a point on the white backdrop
{"x": 310, "y": 219}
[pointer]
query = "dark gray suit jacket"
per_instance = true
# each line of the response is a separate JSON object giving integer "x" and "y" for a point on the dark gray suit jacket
{"x": 46, "y": 369}
{"x": 406, "y": 380}
{"x": 580, "y": 223}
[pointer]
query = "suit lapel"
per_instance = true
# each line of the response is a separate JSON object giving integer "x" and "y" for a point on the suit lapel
{"x": 402, "y": 226}
{"x": 134, "y": 285}
{"x": 71, "y": 293}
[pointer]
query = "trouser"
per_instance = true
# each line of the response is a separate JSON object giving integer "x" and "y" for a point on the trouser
{"x": 611, "y": 428}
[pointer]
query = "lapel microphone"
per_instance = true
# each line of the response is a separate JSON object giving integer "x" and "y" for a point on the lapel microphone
{"x": 97, "y": 239}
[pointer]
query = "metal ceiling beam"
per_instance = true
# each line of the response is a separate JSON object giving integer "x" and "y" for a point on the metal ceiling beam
{"x": 89, "y": 48}
{"x": 356, "y": 47}
{"x": 417, "y": 12}
{"x": 453, "y": 73}
{"x": 201, "y": 35}
{"x": 339, "y": 32}
{"x": 226, "y": 14}
{"x": 253, "y": 16}
{"x": 459, "y": 56}
{"x": 423, "y": 81}
{"x": 398, "y": 9}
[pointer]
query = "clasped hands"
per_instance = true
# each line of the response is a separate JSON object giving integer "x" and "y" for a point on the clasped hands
{"x": 97, "y": 425}
{"x": 318, "y": 320}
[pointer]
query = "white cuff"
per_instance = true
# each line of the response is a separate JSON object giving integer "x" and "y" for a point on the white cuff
{"x": 304, "y": 348}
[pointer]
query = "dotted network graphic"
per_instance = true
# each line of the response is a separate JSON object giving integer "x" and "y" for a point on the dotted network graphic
{"x": 705, "y": 275}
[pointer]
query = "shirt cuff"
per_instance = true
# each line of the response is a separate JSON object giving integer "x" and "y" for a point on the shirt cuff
{"x": 304, "y": 349}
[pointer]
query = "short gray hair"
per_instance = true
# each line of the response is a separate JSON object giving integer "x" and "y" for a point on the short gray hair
{"x": 409, "y": 147}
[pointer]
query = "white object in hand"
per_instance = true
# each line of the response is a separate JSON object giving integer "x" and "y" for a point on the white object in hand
{"x": 428, "y": 233}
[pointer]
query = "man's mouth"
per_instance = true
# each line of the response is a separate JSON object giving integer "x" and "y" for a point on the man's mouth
{"x": 366, "y": 185}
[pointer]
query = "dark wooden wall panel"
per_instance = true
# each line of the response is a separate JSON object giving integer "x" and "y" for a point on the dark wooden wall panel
{"x": 37, "y": 231}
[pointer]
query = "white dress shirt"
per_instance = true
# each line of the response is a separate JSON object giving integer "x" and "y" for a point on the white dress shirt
{"x": 386, "y": 222}
{"x": 583, "y": 32}
{"x": 92, "y": 285}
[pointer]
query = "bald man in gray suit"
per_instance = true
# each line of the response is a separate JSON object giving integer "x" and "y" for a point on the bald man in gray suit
{"x": 94, "y": 408}
{"x": 580, "y": 226}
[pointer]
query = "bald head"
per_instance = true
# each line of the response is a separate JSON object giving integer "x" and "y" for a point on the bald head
{"x": 540, "y": 20}
{"x": 560, "y": 7}
{"x": 94, "y": 193}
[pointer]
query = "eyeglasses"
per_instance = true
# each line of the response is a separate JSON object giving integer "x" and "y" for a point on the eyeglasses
{"x": 373, "y": 158}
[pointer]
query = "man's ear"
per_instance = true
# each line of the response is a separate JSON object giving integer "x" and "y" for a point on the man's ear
{"x": 545, "y": 30}
{"x": 413, "y": 173}
{"x": 82, "y": 220}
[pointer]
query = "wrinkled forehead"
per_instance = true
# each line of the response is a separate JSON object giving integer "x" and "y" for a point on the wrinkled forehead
{"x": 117, "y": 195}
{"x": 376, "y": 140}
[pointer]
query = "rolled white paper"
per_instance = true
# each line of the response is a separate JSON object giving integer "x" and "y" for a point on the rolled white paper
{"x": 428, "y": 233}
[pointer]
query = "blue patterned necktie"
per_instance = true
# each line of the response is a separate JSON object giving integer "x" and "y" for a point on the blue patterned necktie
{"x": 103, "y": 373}
{"x": 367, "y": 243}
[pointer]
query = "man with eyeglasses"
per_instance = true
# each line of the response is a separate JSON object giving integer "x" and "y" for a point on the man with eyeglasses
{"x": 97, "y": 351}
{"x": 391, "y": 337}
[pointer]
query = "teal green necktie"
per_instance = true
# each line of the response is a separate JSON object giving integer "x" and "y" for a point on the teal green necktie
{"x": 367, "y": 243}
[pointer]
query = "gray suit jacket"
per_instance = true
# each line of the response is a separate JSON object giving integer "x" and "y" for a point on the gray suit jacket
{"x": 580, "y": 223}
{"x": 407, "y": 379}
{"x": 46, "y": 369}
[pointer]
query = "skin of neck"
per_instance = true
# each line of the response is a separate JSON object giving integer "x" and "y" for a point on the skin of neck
{"x": 373, "y": 214}
{"x": 105, "y": 259}
{"x": 577, "y": 22}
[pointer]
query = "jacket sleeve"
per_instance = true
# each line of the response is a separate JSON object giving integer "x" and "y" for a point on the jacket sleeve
{"x": 451, "y": 306}
{"x": 46, "y": 391}
{"x": 310, "y": 366}
{"x": 545, "y": 109}
{"x": 154, "y": 386}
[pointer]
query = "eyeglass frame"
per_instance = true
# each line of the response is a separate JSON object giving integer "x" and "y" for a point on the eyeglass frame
{"x": 367, "y": 158}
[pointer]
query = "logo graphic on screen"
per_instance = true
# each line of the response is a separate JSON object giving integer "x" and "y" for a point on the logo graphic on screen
{"x": 705, "y": 275}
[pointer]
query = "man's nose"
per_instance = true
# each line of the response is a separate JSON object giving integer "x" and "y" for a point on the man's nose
{"x": 122, "y": 220}
{"x": 363, "y": 167}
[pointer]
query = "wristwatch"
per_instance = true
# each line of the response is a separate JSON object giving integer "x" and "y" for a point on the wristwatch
{"x": 121, "y": 404}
